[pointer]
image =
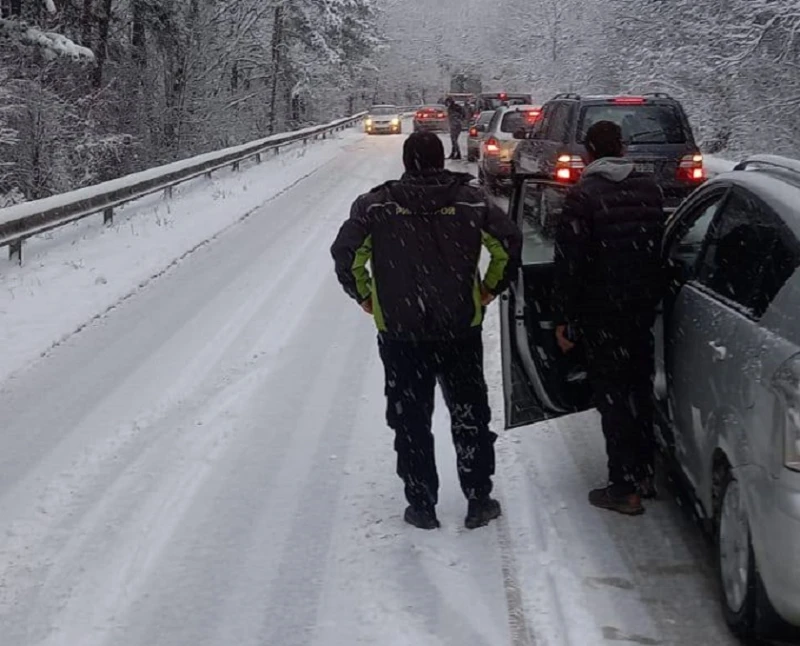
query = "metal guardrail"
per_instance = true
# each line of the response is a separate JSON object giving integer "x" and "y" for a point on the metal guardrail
{"x": 23, "y": 221}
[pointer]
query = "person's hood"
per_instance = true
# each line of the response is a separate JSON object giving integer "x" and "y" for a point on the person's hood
{"x": 615, "y": 169}
{"x": 428, "y": 191}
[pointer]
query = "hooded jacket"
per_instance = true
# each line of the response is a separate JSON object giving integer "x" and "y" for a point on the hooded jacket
{"x": 608, "y": 244}
{"x": 422, "y": 237}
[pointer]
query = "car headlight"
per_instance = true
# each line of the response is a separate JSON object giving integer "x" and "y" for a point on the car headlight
{"x": 368, "y": 122}
{"x": 395, "y": 122}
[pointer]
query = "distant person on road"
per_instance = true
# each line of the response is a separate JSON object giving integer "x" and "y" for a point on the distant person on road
{"x": 456, "y": 116}
{"x": 422, "y": 237}
{"x": 608, "y": 283}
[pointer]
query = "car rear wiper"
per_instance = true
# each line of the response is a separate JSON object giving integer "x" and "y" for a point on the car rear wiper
{"x": 634, "y": 137}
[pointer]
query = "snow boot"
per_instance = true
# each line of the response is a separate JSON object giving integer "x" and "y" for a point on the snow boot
{"x": 620, "y": 498}
{"x": 423, "y": 518}
{"x": 647, "y": 489}
{"x": 481, "y": 512}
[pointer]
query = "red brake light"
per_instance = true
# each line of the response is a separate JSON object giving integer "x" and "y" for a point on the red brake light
{"x": 441, "y": 115}
{"x": 491, "y": 146}
{"x": 569, "y": 168}
{"x": 628, "y": 100}
{"x": 533, "y": 115}
{"x": 691, "y": 169}
{"x": 473, "y": 132}
{"x": 503, "y": 96}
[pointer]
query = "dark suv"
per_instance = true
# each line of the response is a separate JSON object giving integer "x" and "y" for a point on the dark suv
{"x": 657, "y": 136}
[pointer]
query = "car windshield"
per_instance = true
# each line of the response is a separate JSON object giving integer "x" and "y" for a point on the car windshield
{"x": 641, "y": 124}
{"x": 513, "y": 121}
{"x": 434, "y": 108}
{"x": 383, "y": 110}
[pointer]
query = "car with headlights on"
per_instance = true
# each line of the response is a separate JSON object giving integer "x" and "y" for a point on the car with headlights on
{"x": 385, "y": 119}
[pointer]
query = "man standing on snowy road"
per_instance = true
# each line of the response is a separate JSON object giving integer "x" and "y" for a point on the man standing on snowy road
{"x": 608, "y": 282}
{"x": 456, "y": 116}
{"x": 422, "y": 236}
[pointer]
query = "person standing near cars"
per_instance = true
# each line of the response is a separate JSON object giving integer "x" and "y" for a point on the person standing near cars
{"x": 422, "y": 236}
{"x": 456, "y": 116}
{"x": 608, "y": 283}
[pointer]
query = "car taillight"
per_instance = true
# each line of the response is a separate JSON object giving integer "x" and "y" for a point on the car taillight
{"x": 569, "y": 168}
{"x": 786, "y": 384}
{"x": 532, "y": 115}
{"x": 420, "y": 115}
{"x": 441, "y": 115}
{"x": 691, "y": 169}
{"x": 473, "y": 132}
{"x": 492, "y": 146}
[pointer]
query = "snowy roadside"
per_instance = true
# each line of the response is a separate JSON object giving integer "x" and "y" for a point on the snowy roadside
{"x": 73, "y": 274}
{"x": 716, "y": 165}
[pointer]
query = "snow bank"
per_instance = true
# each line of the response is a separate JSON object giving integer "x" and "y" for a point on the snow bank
{"x": 716, "y": 165}
{"x": 73, "y": 273}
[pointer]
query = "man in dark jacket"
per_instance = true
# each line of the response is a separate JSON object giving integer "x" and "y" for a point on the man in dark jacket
{"x": 608, "y": 282}
{"x": 422, "y": 236}
{"x": 456, "y": 116}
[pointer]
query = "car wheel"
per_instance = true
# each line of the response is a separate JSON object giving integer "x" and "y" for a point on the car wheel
{"x": 472, "y": 157}
{"x": 745, "y": 605}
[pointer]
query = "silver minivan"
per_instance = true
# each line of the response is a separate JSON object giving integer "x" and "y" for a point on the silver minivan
{"x": 728, "y": 372}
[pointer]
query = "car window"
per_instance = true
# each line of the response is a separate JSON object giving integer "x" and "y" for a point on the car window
{"x": 541, "y": 129}
{"x": 537, "y": 245}
{"x": 513, "y": 121}
{"x": 557, "y": 128}
{"x": 495, "y": 121}
{"x": 750, "y": 253}
{"x": 383, "y": 110}
{"x": 641, "y": 124}
{"x": 694, "y": 226}
{"x": 485, "y": 118}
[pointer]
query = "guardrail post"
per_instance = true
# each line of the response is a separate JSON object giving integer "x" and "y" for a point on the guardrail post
{"x": 236, "y": 165}
{"x": 277, "y": 150}
{"x": 15, "y": 251}
{"x": 168, "y": 192}
{"x": 108, "y": 215}
{"x": 258, "y": 158}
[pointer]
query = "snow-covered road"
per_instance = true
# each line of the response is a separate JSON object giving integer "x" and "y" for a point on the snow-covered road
{"x": 208, "y": 465}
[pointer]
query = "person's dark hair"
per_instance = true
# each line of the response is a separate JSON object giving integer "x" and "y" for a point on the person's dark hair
{"x": 423, "y": 151}
{"x": 604, "y": 139}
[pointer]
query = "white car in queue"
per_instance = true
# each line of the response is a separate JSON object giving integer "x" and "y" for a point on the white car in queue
{"x": 500, "y": 139}
{"x": 383, "y": 118}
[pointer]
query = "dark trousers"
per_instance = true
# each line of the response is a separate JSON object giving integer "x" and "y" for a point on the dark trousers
{"x": 412, "y": 370}
{"x": 621, "y": 366}
{"x": 455, "y": 133}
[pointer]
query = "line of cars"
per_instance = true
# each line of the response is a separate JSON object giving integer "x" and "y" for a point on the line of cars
{"x": 727, "y": 386}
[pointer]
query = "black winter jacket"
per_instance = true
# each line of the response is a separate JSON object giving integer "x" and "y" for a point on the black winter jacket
{"x": 422, "y": 236}
{"x": 608, "y": 244}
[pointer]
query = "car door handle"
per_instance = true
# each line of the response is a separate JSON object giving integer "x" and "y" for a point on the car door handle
{"x": 720, "y": 352}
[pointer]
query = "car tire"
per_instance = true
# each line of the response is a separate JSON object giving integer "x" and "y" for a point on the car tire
{"x": 471, "y": 157}
{"x": 745, "y": 605}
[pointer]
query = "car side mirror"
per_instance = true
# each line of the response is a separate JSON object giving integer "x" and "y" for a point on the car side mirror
{"x": 520, "y": 133}
{"x": 481, "y": 127}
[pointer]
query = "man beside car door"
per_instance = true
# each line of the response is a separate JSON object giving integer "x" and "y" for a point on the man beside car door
{"x": 608, "y": 283}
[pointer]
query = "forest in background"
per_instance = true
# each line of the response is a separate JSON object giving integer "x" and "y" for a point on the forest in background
{"x": 94, "y": 89}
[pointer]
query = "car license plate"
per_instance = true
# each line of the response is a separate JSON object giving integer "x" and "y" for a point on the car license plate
{"x": 648, "y": 168}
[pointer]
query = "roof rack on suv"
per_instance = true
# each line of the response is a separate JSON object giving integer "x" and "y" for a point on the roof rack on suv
{"x": 658, "y": 95}
{"x": 773, "y": 161}
{"x": 567, "y": 95}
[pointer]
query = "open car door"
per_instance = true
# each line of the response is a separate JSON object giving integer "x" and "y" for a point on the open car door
{"x": 539, "y": 381}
